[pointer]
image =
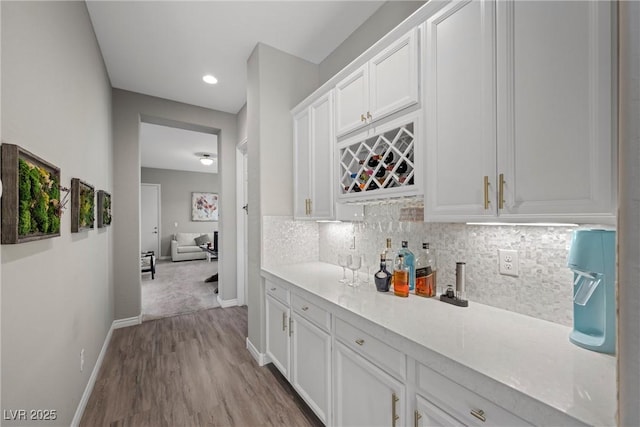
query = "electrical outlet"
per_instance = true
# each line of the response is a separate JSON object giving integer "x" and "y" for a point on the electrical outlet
{"x": 81, "y": 360}
{"x": 508, "y": 260}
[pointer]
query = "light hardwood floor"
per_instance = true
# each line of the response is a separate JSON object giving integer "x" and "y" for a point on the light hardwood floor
{"x": 191, "y": 370}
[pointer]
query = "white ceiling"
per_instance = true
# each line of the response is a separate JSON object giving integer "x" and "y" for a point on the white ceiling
{"x": 163, "y": 48}
{"x": 166, "y": 147}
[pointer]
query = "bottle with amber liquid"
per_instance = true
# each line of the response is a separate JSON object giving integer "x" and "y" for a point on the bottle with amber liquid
{"x": 426, "y": 272}
{"x": 401, "y": 277}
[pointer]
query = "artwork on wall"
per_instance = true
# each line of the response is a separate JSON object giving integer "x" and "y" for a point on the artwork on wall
{"x": 82, "y": 205}
{"x": 104, "y": 209}
{"x": 204, "y": 207}
{"x": 31, "y": 199}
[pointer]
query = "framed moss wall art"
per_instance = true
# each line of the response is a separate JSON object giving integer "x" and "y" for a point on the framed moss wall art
{"x": 31, "y": 197}
{"x": 104, "y": 209}
{"x": 82, "y": 206}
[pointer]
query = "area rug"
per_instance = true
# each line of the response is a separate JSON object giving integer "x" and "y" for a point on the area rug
{"x": 178, "y": 288}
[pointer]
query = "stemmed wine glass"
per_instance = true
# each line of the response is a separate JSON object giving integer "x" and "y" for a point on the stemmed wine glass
{"x": 354, "y": 265}
{"x": 366, "y": 264}
{"x": 343, "y": 261}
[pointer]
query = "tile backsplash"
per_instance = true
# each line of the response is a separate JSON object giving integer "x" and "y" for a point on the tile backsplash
{"x": 543, "y": 288}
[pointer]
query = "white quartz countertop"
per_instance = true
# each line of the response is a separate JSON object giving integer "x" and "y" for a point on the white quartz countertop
{"x": 527, "y": 354}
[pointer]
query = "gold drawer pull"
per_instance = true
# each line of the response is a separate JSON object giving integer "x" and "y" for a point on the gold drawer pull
{"x": 416, "y": 418}
{"x": 394, "y": 412}
{"x": 273, "y": 289}
{"x": 479, "y": 414}
{"x": 305, "y": 308}
{"x": 284, "y": 321}
{"x": 369, "y": 116}
{"x": 290, "y": 326}
{"x": 360, "y": 341}
{"x": 362, "y": 118}
{"x": 486, "y": 192}
{"x": 501, "y": 191}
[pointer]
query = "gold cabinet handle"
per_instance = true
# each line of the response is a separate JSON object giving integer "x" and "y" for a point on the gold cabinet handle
{"x": 360, "y": 341}
{"x": 290, "y": 326}
{"x": 273, "y": 289}
{"x": 501, "y": 191}
{"x": 486, "y": 192}
{"x": 305, "y": 308}
{"x": 284, "y": 321}
{"x": 416, "y": 418}
{"x": 310, "y": 205}
{"x": 394, "y": 412}
{"x": 479, "y": 414}
{"x": 369, "y": 115}
{"x": 363, "y": 118}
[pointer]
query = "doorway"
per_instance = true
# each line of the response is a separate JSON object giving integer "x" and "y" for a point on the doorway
{"x": 242, "y": 213}
{"x": 150, "y": 218}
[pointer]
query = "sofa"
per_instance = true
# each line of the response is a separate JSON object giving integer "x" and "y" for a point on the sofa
{"x": 184, "y": 247}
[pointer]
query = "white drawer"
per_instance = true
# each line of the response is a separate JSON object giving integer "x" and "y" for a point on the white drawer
{"x": 311, "y": 312}
{"x": 277, "y": 291}
{"x": 392, "y": 360}
{"x": 462, "y": 403}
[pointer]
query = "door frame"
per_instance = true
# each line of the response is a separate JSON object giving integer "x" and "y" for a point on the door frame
{"x": 159, "y": 245}
{"x": 241, "y": 215}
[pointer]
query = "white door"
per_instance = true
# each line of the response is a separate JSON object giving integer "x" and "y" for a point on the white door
{"x": 301, "y": 164}
{"x": 461, "y": 111}
{"x": 310, "y": 371}
{"x": 322, "y": 142}
{"x": 150, "y": 218}
{"x": 278, "y": 348}
{"x": 352, "y": 101}
{"x": 365, "y": 395}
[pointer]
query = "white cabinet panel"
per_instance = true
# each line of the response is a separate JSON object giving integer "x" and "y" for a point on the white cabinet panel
{"x": 311, "y": 371}
{"x": 278, "y": 344}
{"x": 429, "y": 415}
{"x": 352, "y": 101}
{"x": 302, "y": 163}
{"x": 363, "y": 394}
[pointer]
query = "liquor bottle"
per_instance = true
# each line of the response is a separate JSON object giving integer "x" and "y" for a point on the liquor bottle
{"x": 400, "y": 277}
{"x": 409, "y": 261}
{"x": 426, "y": 272}
{"x": 389, "y": 256}
{"x": 382, "y": 278}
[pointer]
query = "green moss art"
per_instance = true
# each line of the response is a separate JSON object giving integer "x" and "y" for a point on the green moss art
{"x": 86, "y": 207}
{"x": 106, "y": 210}
{"x": 39, "y": 198}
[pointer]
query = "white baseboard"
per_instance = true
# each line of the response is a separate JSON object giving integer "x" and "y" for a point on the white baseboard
{"x": 129, "y": 321}
{"x": 261, "y": 358}
{"x": 227, "y": 303}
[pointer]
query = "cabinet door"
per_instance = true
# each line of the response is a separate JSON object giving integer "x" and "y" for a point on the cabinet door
{"x": 363, "y": 394}
{"x": 321, "y": 167}
{"x": 555, "y": 108}
{"x": 301, "y": 164}
{"x": 460, "y": 98}
{"x": 429, "y": 415}
{"x": 352, "y": 101}
{"x": 310, "y": 371}
{"x": 278, "y": 347}
{"x": 393, "y": 77}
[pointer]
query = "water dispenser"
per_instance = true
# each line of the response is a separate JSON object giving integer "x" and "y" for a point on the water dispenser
{"x": 593, "y": 262}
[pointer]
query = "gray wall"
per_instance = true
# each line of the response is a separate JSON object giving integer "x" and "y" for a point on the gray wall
{"x": 128, "y": 108}
{"x": 242, "y": 123}
{"x": 175, "y": 196}
{"x": 629, "y": 217}
{"x": 380, "y": 23}
{"x": 57, "y": 295}
{"x": 276, "y": 82}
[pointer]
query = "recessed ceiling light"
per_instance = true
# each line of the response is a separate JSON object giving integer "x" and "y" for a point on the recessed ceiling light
{"x": 210, "y": 79}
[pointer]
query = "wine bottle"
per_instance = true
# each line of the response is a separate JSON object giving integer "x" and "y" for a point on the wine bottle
{"x": 382, "y": 278}
{"x": 372, "y": 186}
{"x": 381, "y": 172}
{"x": 373, "y": 161}
{"x": 409, "y": 261}
{"x": 402, "y": 167}
{"x": 426, "y": 272}
{"x": 389, "y": 158}
{"x": 400, "y": 277}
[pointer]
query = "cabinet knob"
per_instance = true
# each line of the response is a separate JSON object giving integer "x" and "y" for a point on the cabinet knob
{"x": 363, "y": 118}
{"x": 369, "y": 115}
{"x": 479, "y": 414}
{"x": 360, "y": 341}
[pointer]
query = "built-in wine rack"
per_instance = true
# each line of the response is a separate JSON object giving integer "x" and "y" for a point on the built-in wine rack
{"x": 379, "y": 163}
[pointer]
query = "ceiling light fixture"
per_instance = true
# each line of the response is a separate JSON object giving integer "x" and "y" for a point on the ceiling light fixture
{"x": 206, "y": 159}
{"x": 210, "y": 79}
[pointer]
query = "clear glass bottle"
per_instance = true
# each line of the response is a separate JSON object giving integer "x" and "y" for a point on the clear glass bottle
{"x": 409, "y": 260}
{"x": 426, "y": 272}
{"x": 382, "y": 278}
{"x": 401, "y": 277}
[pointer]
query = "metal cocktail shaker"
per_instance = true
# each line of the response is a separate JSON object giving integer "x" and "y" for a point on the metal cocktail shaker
{"x": 460, "y": 281}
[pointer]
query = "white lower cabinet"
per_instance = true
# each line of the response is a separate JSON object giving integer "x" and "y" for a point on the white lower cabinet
{"x": 364, "y": 394}
{"x": 278, "y": 343}
{"x": 310, "y": 361}
{"x": 427, "y": 414}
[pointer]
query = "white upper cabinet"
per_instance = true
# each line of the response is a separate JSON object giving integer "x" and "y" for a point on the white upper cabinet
{"x": 520, "y": 112}
{"x": 313, "y": 160}
{"x": 382, "y": 86}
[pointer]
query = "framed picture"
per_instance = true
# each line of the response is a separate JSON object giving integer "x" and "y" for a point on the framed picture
{"x": 31, "y": 199}
{"x": 204, "y": 207}
{"x": 104, "y": 209}
{"x": 82, "y": 206}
